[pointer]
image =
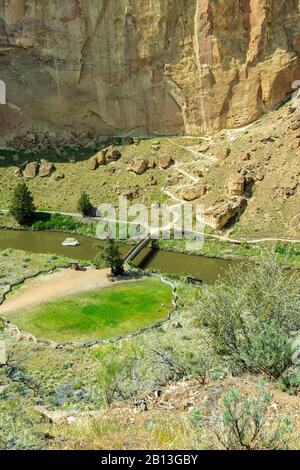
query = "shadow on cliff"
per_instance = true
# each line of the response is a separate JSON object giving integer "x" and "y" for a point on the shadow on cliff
{"x": 66, "y": 154}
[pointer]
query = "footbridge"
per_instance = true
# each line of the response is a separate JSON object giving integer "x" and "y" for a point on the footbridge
{"x": 137, "y": 248}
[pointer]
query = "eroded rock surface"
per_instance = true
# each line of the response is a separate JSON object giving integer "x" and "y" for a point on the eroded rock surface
{"x": 143, "y": 66}
{"x": 46, "y": 168}
{"x": 31, "y": 170}
{"x": 220, "y": 214}
{"x": 195, "y": 192}
{"x": 139, "y": 167}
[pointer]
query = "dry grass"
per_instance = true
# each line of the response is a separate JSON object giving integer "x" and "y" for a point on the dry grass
{"x": 167, "y": 424}
{"x": 140, "y": 432}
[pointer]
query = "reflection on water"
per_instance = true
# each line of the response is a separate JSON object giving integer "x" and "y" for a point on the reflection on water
{"x": 207, "y": 269}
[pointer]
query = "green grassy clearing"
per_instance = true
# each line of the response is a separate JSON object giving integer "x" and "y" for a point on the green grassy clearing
{"x": 99, "y": 314}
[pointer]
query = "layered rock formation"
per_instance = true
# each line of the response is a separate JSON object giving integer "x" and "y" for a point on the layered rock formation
{"x": 145, "y": 66}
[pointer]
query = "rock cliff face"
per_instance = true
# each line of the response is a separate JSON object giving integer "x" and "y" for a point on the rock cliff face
{"x": 145, "y": 66}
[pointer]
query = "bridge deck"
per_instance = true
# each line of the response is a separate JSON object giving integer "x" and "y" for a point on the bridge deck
{"x": 137, "y": 249}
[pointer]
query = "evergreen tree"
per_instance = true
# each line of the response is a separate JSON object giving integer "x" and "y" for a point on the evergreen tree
{"x": 84, "y": 205}
{"x": 113, "y": 257}
{"x": 22, "y": 207}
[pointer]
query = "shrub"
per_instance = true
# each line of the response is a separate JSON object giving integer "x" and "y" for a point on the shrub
{"x": 180, "y": 364}
{"x": 251, "y": 317}
{"x": 120, "y": 371}
{"x": 290, "y": 384}
{"x": 268, "y": 350}
{"x": 54, "y": 222}
{"x": 282, "y": 249}
{"x": 22, "y": 206}
{"x": 99, "y": 262}
{"x": 244, "y": 424}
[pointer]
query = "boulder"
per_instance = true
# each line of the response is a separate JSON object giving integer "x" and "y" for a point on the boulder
{"x": 173, "y": 180}
{"x": 296, "y": 117}
{"x": 246, "y": 156}
{"x": 31, "y": 170}
{"x": 58, "y": 176}
{"x": 295, "y": 126}
{"x": 52, "y": 135}
{"x": 131, "y": 193}
{"x": 113, "y": 155}
{"x": 195, "y": 192}
{"x": 165, "y": 162}
{"x": 30, "y": 137}
{"x": 224, "y": 153}
{"x": 259, "y": 176}
{"x": 139, "y": 167}
{"x": 236, "y": 185}
{"x": 46, "y": 168}
{"x": 151, "y": 163}
{"x": 288, "y": 192}
{"x": 67, "y": 136}
{"x": 18, "y": 173}
{"x": 127, "y": 141}
{"x": 219, "y": 215}
{"x": 155, "y": 146}
{"x": 93, "y": 163}
{"x": 291, "y": 109}
{"x": 101, "y": 158}
{"x": 200, "y": 173}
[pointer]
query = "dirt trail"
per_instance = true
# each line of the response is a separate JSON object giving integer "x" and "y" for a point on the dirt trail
{"x": 62, "y": 283}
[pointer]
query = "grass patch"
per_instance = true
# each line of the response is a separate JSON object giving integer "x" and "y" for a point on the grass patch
{"x": 99, "y": 314}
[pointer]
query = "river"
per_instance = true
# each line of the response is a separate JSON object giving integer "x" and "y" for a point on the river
{"x": 207, "y": 269}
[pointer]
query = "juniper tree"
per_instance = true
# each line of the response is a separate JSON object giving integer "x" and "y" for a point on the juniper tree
{"x": 22, "y": 206}
{"x": 113, "y": 257}
{"x": 84, "y": 205}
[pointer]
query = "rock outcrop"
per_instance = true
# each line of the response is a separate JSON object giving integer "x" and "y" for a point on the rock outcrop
{"x": 165, "y": 162}
{"x": 195, "y": 192}
{"x": 220, "y": 214}
{"x": 139, "y": 167}
{"x": 93, "y": 163}
{"x": 101, "y": 157}
{"x": 236, "y": 185}
{"x": 145, "y": 66}
{"x": 30, "y": 170}
{"x": 46, "y": 168}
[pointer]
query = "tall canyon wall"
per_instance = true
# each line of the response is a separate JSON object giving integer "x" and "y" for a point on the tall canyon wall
{"x": 145, "y": 66}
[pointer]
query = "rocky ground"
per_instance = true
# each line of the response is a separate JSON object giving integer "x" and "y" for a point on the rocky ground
{"x": 153, "y": 422}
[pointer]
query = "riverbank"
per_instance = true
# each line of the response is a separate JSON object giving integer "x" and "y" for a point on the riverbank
{"x": 288, "y": 252}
